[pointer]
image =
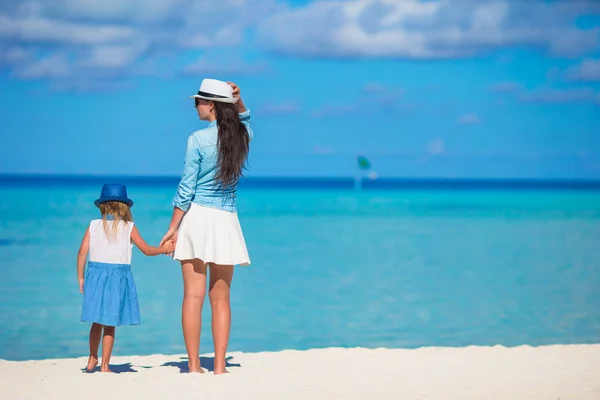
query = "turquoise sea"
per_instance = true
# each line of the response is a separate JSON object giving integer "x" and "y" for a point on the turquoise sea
{"x": 331, "y": 266}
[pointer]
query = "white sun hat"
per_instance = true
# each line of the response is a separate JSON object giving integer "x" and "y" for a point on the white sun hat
{"x": 215, "y": 90}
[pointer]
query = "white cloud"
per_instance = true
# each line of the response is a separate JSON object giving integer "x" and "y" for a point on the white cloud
{"x": 436, "y": 147}
{"x": 40, "y": 30}
{"x": 112, "y": 56}
{"x": 96, "y": 37}
{"x": 225, "y": 65}
{"x": 334, "y": 110}
{"x": 469, "y": 119}
{"x": 427, "y": 29}
{"x": 99, "y": 36}
{"x": 505, "y": 87}
{"x": 13, "y": 55}
{"x": 122, "y": 10}
{"x": 561, "y": 96}
{"x": 284, "y": 108}
{"x": 80, "y": 85}
{"x": 55, "y": 66}
{"x": 588, "y": 70}
{"x": 375, "y": 97}
{"x": 323, "y": 150}
{"x": 382, "y": 94}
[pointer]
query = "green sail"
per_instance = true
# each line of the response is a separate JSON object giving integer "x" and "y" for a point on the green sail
{"x": 363, "y": 163}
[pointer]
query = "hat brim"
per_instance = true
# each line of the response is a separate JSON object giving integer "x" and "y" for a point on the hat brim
{"x": 101, "y": 200}
{"x": 230, "y": 100}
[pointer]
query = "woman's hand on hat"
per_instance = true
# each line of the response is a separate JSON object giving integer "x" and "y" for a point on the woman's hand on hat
{"x": 236, "y": 93}
{"x": 236, "y": 89}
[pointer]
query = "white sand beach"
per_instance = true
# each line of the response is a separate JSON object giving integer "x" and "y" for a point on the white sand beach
{"x": 565, "y": 372}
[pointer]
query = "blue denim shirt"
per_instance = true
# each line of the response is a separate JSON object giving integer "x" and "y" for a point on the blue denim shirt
{"x": 198, "y": 183}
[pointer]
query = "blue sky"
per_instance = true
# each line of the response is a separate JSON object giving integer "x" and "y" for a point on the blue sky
{"x": 422, "y": 88}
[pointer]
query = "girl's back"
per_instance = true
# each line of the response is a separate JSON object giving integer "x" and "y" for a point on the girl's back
{"x": 113, "y": 249}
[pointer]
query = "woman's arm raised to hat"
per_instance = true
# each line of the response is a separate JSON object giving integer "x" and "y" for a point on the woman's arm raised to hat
{"x": 244, "y": 112}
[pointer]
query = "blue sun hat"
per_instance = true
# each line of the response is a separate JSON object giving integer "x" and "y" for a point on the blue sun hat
{"x": 114, "y": 192}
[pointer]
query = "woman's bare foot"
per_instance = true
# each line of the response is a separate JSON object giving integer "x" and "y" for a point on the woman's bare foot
{"x": 195, "y": 368}
{"x": 220, "y": 371}
{"x": 105, "y": 368}
{"x": 92, "y": 364}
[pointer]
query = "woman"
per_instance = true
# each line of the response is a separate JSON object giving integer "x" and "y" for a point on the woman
{"x": 205, "y": 224}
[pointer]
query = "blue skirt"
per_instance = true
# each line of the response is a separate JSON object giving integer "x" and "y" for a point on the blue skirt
{"x": 109, "y": 295}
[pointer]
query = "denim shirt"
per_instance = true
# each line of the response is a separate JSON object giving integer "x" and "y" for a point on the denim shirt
{"x": 198, "y": 183}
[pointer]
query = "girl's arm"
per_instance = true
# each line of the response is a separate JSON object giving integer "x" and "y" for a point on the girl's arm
{"x": 141, "y": 244}
{"x": 81, "y": 256}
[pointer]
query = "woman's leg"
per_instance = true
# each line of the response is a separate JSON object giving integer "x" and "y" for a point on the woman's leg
{"x": 108, "y": 340}
{"x": 219, "y": 289}
{"x": 95, "y": 335}
{"x": 194, "y": 290}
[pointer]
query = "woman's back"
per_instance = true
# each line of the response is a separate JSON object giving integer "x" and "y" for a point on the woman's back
{"x": 199, "y": 182}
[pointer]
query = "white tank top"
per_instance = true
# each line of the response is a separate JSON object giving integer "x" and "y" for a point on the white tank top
{"x": 114, "y": 251}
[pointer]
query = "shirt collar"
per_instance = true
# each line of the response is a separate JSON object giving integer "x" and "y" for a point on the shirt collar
{"x": 212, "y": 123}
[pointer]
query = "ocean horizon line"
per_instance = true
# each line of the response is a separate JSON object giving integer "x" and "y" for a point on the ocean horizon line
{"x": 311, "y": 182}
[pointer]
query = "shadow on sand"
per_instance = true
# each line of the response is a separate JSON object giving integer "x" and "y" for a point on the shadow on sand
{"x": 116, "y": 368}
{"x": 208, "y": 363}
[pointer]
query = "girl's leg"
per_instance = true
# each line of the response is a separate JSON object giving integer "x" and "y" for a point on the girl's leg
{"x": 107, "y": 345}
{"x": 194, "y": 290}
{"x": 219, "y": 290}
{"x": 95, "y": 335}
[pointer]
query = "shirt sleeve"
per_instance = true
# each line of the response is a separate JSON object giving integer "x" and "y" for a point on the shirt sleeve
{"x": 245, "y": 118}
{"x": 191, "y": 168}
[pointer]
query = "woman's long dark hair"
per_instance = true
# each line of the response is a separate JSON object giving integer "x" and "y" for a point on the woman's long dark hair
{"x": 232, "y": 143}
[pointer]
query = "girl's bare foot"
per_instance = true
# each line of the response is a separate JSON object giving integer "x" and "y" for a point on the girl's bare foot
{"x": 221, "y": 371}
{"x": 92, "y": 364}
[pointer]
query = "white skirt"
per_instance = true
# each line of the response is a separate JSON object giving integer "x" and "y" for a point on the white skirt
{"x": 211, "y": 235}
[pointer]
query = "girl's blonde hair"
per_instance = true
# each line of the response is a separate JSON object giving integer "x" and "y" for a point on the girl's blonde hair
{"x": 119, "y": 211}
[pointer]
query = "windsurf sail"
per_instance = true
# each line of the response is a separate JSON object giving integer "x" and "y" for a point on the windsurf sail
{"x": 363, "y": 163}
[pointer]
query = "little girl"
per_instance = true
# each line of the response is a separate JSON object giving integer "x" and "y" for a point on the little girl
{"x": 109, "y": 292}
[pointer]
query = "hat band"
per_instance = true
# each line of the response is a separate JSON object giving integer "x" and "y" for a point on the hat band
{"x": 205, "y": 94}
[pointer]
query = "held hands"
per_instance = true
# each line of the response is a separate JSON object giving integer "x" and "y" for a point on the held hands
{"x": 168, "y": 247}
{"x": 170, "y": 236}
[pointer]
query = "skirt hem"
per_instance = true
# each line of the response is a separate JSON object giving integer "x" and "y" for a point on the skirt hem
{"x": 210, "y": 260}
{"x": 93, "y": 320}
